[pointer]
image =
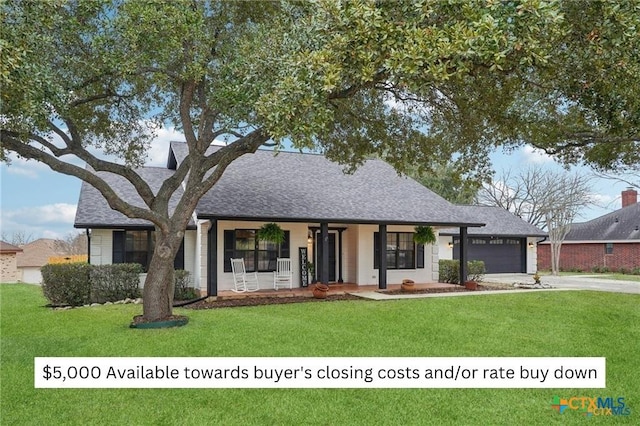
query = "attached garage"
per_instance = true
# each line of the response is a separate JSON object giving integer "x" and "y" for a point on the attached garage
{"x": 499, "y": 254}
{"x": 506, "y": 244}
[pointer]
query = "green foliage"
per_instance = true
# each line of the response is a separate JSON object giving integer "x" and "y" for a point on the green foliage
{"x": 110, "y": 283}
{"x": 76, "y": 284}
{"x": 424, "y": 235}
{"x": 450, "y": 183}
{"x": 67, "y": 283}
{"x": 271, "y": 232}
{"x": 449, "y": 271}
{"x": 182, "y": 289}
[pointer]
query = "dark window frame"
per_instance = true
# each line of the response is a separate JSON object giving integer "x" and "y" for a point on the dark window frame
{"x": 257, "y": 255}
{"x": 121, "y": 254}
{"x": 417, "y": 251}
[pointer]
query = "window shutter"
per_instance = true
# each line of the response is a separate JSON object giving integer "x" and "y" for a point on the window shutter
{"x": 420, "y": 256}
{"x": 376, "y": 250}
{"x": 229, "y": 245}
{"x": 118, "y": 247}
{"x": 178, "y": 262}
{"x": 285, "y": 247}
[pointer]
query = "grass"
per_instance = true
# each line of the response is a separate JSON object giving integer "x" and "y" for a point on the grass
{"x": 529, "y": 324}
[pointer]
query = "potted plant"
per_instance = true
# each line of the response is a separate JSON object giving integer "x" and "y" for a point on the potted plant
{"x": 536, "y": 278}
{"x": 271, "y": 232}
{"x": 310, "y": 270}
{"x": 424, "y": 235}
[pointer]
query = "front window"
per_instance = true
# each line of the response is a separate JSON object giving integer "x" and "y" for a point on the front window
{"x": 260, "y": 256}
{"x": 401, "y": 250}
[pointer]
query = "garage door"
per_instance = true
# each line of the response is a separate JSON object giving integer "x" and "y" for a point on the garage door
{"x": 500, "y": 255}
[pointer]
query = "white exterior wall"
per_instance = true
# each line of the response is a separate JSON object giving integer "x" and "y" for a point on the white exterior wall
{"x": 532, "y": 255}
{"x": 102, "y": 250}
{"x": 367, "y": 275}
{"x": 31, "y": 275}
{"x": 445, "y": 251}
{"x": 298, "y": 238}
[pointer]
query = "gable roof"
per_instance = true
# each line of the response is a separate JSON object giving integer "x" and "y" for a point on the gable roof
{"x": 293, "y": 186}
{"x": 38, "y": 252}
{"x": 289, "y": 186}
{"x": 6, "y": 248}
{"x": 620, "y": 225}
{"x": 499, "y": 222}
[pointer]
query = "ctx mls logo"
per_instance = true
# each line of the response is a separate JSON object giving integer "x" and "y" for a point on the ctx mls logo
{"x": 592, "y": 406}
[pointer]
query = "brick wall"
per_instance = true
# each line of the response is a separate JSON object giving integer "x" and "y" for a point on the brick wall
{"x": 8, "y": 268}
{"x": 587, "y": 256}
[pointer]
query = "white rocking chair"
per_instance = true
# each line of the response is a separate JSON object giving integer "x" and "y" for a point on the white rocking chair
{"x": 243, "y": 281}
{"x": 283, "y": 276}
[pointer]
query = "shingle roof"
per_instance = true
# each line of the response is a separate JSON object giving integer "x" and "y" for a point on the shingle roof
{"x": 94, "y": 211}
{"x": 622, "y": 224}
{"x": 38, "y": 252}
{"x": 9, "y": 248}
{"x": 289, "y": 187}
{"x": 308, "y": 187}
{"x": 499, "y": 222}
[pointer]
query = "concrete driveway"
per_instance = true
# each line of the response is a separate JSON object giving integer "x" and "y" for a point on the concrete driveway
{"x": 581, "y": 282}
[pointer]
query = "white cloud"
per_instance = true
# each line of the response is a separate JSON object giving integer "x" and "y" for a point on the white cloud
{"x": 25, "y": 168}
{"x": 534, "y": 155}
{"x": 58, "y": 213}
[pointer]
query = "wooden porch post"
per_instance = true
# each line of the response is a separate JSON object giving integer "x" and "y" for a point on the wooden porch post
{"x": 340, "y": 280}
{"x": 324, "y": 239}
{"x": 463, "y": 255}
{"x": 382, "y": 260}
{"x": 212, "y": 259}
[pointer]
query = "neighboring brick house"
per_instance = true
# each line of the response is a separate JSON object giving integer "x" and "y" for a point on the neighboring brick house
{"x": 8, "y": 263}
{"x": 611, "y": 241}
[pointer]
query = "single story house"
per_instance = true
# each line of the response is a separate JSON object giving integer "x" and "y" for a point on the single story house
{"x": 34, "y": 256}
{"x": 338, "y": 222}
{"x": 505, "y": 244}
{"x": 8, "y": 264}
{"x": 611, "y": 241}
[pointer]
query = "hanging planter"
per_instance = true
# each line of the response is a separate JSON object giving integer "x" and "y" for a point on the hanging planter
{"x": 424, "y": 235}
{"x": 271, "y": 232}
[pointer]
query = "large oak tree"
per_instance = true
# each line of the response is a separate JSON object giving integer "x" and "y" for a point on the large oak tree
{"x": 414, "y": 82}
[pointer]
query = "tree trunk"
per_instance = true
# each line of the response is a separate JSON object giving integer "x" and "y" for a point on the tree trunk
{"x": 159, "y": 284}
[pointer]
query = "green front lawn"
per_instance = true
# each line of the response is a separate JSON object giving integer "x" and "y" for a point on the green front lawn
{"x": 566, "y": 323}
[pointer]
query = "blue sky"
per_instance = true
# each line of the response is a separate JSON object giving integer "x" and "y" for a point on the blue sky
{"x": 41, "y": 203}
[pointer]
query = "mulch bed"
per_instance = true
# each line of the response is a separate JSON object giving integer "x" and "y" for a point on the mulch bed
{"x": 257, "y": 301}
{"x": 456, "y": 289}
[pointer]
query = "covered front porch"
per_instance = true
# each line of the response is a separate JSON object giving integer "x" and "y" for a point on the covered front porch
{"x": 334, "y": 288}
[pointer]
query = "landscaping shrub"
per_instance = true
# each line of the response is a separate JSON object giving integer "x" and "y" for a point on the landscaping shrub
{"x": 182, "y": 289}
{"x": 110, "y": 283}
{"x": 635, "y": 271}
{"x": 449, "y": 271}
{"x": 67, "y": 283}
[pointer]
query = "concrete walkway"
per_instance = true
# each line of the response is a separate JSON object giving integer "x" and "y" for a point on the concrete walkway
{"x": 573, "y": 282}
{"x": 562, "y": 283}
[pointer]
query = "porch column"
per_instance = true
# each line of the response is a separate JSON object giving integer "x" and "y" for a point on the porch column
{"x": 463, "y": 254}
{"x": 324, "y": 239}
{"x": 340, "y": 280}
{"x": 212, "y": 259}
{"x": 382, "y": 260}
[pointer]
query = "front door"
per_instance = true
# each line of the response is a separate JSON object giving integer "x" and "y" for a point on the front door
{"x": 332, "y": 256}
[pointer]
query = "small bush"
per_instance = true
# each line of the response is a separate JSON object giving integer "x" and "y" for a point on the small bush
{"x": 110, "y": 283}
{"x": 67, "y": 283}
{"x": 449, "y": 271}
{"x": 182, "y": 289}
{"x": 635, "y": 271}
